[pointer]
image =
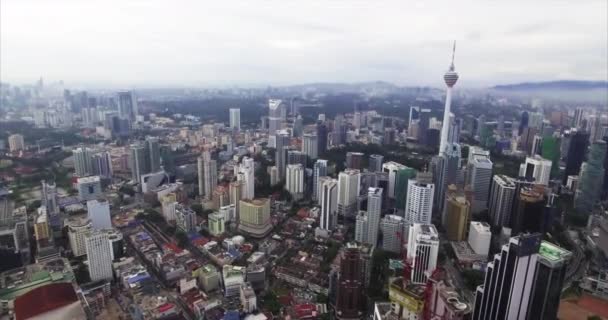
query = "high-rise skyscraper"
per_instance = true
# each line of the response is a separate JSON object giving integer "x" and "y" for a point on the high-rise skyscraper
{"x": 422, "y": 251}
{"x": 296, "y": 157}
{"x": 579, "y": 140}
{"x": 349, "y": 301}
{"x": 82, "y": 161}
{"x": 201, "y": 175}
{"x": 590, "y": 180}
{"x": 294, "y": 183}
{"x": 375, "y": 163}
{"x": 322, "y": 137}
{"x": 329, "y": 203}
{"x": 310, "y": 146}
{"x": 153, "y": 151}
{"x": 99, "y": 255}
{"x": 374, "y": 210}
{"x": 348, "y": 191}
{"x": 450, "y": 79}
{"x": 102, "y": 164}
{"x": 402, "y": 177}
{"x": 502, "y": 196}
{"x": 246, "y": 174}
{"x": 319, "y": 170}
{"x": 445, "y": 171}
{"x": 127, "y": 106}
{"x": 354, "y": 160}
{"x": 393, "y": 230}
{"x": 550, "y": 151}
{"x": 235, "y": 118}
{"x": 276, "y": 115}
{"x": 419, "y": 203}
{"x": 529, "y": 214}
{"x": 210, "y": 177}
{"x": 536, "y": 169}
{"x": 138, "y": 162}
{"x": 479, "y": 179}
{"x": 523, "y": 281}
{"x": 456, "y": 215}
{"x": 282, "y": 141}
{"x": 391, "y": 168}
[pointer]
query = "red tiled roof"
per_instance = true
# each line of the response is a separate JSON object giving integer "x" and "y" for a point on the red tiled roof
{"x": 44, "y": 299}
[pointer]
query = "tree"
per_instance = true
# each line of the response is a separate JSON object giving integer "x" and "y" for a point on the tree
{"x": 321, "y": 298}
{"x": 127, "y": 190}
{"x": 197, "y": 208}
{"x": 182, "y": 238}
{"x": 271, "y": 303}
{"x": 473, "y": 278}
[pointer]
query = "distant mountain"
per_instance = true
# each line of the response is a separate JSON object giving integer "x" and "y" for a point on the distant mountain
{"x": 554, "y": 85}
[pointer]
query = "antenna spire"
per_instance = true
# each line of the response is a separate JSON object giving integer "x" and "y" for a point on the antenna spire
{"x": 453, "y": 54}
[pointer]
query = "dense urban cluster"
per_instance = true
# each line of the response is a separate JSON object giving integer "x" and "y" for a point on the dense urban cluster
{"x": 407, "y": 205}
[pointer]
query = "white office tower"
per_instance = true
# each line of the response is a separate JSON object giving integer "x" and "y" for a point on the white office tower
{"x": 536, "y": 169}
{"x": 102, "y": 165}
{"x": 294, "y": 183}
{"x": 361, "y": 227}
{"x": 374, "y": 209}
{"x": 419, "y": 203}
{"x": 201, "y": 176}
{"x": 319, "y": 170}
{"x": 229, "y": 212}
{"x": 273, "y": 171}
{"x": 99, "y": 255}
{"x": 502, "y": 196}
{"x": 479, "y": 179}
{"x": 89, "y": 188}
{"x": 450, "y": 79}
{"x": 422, "y": 250}
{"x": 348, "y": 191}
{"x": 391, "y": 168}
{"x": 185, "y": 218}
{"x": 168, "y": 207}
{"x": 477, "y": 151}
{"x": 98, "y": 211}
{"x": 82, "y": 161}
{"x": 393, "y": 228}
{"x": 16, "y": 142}
{"x": 78, "y": 229}
{"x": 310, "y": 145}
{"x": 276, "y": 115}
{"x": 235, "y": 118}
{"x": 247, "y": 176}
{"x": 232, "y": 279}
{"x": 210, "y": 177}
{"x": 329, "y": 203}
{"x": 248, "y": 298}
{"x": 48, "y": 198}
{"x": 480, "y": 236}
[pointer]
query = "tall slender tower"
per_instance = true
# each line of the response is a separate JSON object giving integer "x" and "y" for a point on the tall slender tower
{"x": 450, "y": 79}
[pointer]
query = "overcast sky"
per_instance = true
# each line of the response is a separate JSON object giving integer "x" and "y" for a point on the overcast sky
{"x": 201, "y": 43}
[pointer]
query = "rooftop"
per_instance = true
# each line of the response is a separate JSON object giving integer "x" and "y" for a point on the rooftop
{"x": 553, "y": 253}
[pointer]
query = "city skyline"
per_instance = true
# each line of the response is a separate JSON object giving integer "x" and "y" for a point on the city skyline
{"x": 270, "y": 43}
